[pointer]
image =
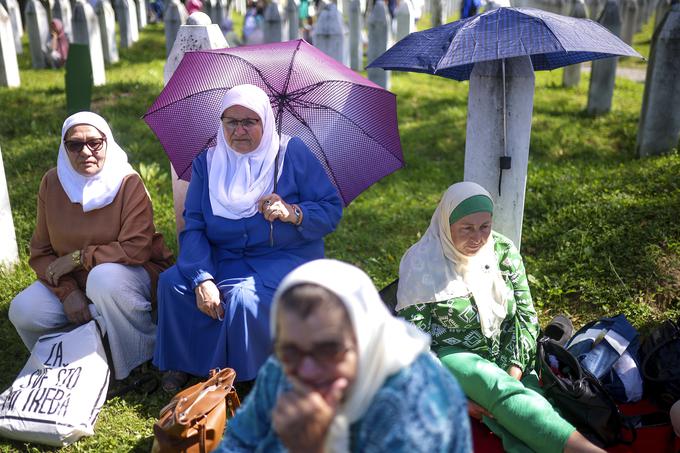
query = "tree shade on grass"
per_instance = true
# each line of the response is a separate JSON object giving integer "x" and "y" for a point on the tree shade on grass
{"x": 601, "y": 232}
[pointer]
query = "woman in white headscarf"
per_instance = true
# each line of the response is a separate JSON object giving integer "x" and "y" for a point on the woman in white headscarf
{"x": 465, "y": 285}
{"x": 258, "y": 205}
{"x": 95, "y": 248}
{"x": 346, "y": 375}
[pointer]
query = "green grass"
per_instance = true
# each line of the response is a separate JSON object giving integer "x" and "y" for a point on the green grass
{"x": 600, "y": 236}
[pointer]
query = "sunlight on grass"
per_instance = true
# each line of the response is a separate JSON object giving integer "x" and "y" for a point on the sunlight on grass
{"x": 600, "y": 236}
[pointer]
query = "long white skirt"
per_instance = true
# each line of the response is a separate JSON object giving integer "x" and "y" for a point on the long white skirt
{"x": 120, "y": 294}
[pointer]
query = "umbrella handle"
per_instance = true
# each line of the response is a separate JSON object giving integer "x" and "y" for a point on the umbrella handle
{"x": 506, "y": 164}
{"x": 276, "y": 180}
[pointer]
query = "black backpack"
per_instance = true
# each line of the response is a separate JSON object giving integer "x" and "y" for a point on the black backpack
{"x": 580, "y": 397}
{"x": 660, "y": 356}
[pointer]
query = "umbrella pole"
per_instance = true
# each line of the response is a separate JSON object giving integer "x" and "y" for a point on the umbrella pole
{"x": 276, "y": 175}
{"x": 505, "y": 161}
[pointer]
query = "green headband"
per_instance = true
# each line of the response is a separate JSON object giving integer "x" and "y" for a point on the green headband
{"x": 476, "y": 203}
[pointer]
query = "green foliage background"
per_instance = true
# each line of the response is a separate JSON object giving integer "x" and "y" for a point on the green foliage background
{"x": 601, "y": 233}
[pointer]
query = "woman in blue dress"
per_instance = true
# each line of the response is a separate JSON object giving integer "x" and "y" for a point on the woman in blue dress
{"x": 243, "y": 234}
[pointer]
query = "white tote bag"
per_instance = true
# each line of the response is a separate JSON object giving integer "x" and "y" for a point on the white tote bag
{"x": 57, "y": 396}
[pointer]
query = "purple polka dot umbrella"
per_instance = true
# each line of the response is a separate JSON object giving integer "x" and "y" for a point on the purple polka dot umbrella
{"x": 347, "y": 121}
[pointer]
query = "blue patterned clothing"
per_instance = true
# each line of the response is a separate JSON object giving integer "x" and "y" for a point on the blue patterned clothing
{"x": 419, "y": 409}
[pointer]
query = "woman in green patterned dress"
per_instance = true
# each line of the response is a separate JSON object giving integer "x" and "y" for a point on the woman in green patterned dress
{"x": 466, "y": 286}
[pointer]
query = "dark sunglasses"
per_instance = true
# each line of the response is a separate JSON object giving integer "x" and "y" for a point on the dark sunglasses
{"x": 93, "y": 144}
{"x": 324, "y": 354}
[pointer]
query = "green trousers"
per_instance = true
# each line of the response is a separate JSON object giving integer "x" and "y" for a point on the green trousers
{"x": 523, "y": 419}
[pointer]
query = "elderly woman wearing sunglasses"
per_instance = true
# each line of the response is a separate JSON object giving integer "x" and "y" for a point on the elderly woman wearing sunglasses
{"x": 95, "y": 249}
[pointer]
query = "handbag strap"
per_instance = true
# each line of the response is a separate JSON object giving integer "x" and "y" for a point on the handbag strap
{"x": 202, "y": 398}
{"x": 233, "y": 402}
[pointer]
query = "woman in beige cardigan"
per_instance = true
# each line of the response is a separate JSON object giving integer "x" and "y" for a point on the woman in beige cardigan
{"x": 95, "y": 248}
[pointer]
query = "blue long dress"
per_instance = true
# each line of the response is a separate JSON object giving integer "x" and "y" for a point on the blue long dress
{"x": 237, "y": 255}
{"x": 421, "y": 408}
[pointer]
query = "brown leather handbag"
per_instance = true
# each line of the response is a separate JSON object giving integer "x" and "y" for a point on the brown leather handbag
{"x": 195, "y": 418}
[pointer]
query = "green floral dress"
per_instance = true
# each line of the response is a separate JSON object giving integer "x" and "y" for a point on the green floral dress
{"x": 454, "y": 323}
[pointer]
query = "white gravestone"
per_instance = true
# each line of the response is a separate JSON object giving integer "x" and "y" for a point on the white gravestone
{"x": 572, "y": 74}
{"x": 210, "y": 7}
{"x": 659, "y": 129}
{"x": 378, "y": 42}
{"x": 175, "y": 16}
{"x": 9, "y": 253}
{"x": 107, "y": 30}
{"x": 329, "y": 34}
{"x": 9, "y": 69}
{"x": 603, "y": 73}
{"x": 483, "y": 151}
{"x": 221, "y": 12}
{"x": 12, "y": 8}
{"x": 356, "y": 48}
{"x": 629, "y": 10}
{"x": 126, "y": 14}
{"x": 406, "y": 23}
{"x": 38, "y": 33}
{"x": 141, "y": 13}
{"x": 61, "y": 9}
{"x": 293, "y": 18}
{"x": 86, "y": 31}
{"x": 640, "y": 19}
{"x": 197, "y": 34}
{"x": 662, "y": 7}
{"x": 273, "y": 24}
{"x": 437, "y": 11}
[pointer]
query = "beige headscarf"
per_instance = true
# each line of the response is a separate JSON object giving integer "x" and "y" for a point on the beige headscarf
{"x": 385, "y": 344}
{"x": 433, "y": 270}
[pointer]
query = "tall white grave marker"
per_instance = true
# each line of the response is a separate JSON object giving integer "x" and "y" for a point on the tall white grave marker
{"x": 198, "y": 33}
{"x": 483, "y": 152}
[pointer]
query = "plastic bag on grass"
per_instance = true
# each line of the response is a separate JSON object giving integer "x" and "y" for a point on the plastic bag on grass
{"x": 58, "y": 394}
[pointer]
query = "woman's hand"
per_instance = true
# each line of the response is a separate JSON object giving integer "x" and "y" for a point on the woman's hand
{"x": 515, "y": 372}
{"x": 209, "y": 299}
{"x": 76, "y": 307}
{"x": 273, "y": 208}
{"x": 302, "y": 416}
{"x": 60, "y": 267}
{"x": 477, "y": 411}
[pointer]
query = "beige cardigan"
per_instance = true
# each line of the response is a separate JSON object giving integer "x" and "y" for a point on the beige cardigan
{"x": 121, "y": 232}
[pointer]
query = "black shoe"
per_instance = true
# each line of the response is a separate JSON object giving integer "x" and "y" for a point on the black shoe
{"x": 559, "y": 329}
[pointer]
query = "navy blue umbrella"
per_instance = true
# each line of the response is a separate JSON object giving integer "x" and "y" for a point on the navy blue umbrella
{"x": 551, "y": 40}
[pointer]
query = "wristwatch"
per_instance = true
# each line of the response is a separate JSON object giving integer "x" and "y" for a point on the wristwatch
{"x": 76, "y": 257}
{"x": 298, "y": 214}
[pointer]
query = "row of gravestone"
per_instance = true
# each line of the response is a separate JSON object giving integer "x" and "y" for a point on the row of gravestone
{"x": 659, "y": 125}
{"x": 340, "y": 35}
{"x": 82, "y": 25}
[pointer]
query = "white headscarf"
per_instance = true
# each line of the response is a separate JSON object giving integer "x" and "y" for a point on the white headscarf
{"x": 237, "y": 181}
{"x": 98, "y": 190}
{"x": 433, "y": 270}
{"x": 385, "y": 344}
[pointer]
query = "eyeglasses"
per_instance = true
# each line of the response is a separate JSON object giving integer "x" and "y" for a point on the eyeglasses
{"x": 93, "y": 144}
{"x": 232, "y": 123}
{"x": 324, "y": 354}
